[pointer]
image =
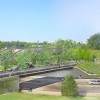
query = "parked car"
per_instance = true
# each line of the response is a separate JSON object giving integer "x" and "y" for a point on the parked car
{"x": 94, "y": 81}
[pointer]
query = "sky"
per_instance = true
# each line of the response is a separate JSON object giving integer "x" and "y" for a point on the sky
{"x": 49, "y": 20}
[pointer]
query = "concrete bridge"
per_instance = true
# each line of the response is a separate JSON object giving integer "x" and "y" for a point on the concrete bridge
{"x": 54, "y": 71}
{"x": 33, "y": 71}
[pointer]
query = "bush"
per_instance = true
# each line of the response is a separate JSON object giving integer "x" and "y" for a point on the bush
{"x": 69, "y": 86}
{"x": 9, "y": 84}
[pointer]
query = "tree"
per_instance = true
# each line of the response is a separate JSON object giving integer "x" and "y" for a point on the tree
{"x": 94, "y": 41}
{"x": 21, "y": 56}
{"x": 69, "y": 86}
{"x": 7, "y": 59}
{"x": 84, "y": 53}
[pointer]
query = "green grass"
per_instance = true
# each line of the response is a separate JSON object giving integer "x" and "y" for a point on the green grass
{"x": 24, "y": 96}
{"x": 90, "y": 67}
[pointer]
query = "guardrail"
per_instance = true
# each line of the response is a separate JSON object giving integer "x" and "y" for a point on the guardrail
{"x": 35, "y": 71}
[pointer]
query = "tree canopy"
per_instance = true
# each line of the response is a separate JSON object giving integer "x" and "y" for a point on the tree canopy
{"x": 94, "y": 41}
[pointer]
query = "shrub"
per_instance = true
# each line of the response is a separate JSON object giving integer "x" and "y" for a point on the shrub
{"x": 9, "y": 84}
{"x": 69, "y": 86}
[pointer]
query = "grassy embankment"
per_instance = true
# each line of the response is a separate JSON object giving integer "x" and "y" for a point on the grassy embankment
{"x": 23, "y": 96}
{"x": 90, "y": 67}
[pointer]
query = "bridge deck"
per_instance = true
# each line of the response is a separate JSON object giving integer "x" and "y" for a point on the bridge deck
{"x": 35, "y": 70}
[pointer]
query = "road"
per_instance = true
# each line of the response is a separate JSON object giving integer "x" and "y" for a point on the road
{"x": 52, "y": 82}
{"x": 42, "y": 82}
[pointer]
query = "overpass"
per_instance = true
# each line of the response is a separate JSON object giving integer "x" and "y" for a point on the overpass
{"x": 33, "y": 71}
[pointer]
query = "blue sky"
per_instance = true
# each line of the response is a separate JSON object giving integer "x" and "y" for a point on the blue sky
{"x": 48, "y": 20}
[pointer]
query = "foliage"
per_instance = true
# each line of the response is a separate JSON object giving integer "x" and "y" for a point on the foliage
{"x": 7, "y": 59}
{"x": 65, "y": 49}
{"x": 58, "y": 52}
{"x": 7, "y": 84}
{"x": 23, "y": 58}
{"x": 53, "y": 53}
{"x": 94, "y": 41}
{"x": 15, "y": 44}
{"x": 84, "y": 53}
{"x": 69, "y": 86}
{"x": 95, "y": 54}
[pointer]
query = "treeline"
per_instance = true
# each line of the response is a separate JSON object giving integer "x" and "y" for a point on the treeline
{"x": 93, "y": 43}
{"x": 21, "y": 45}
{"x": 15, "y": 44}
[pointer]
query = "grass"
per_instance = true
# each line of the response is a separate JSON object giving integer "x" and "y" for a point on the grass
{"x": 24, "y": 96}
{"x": 90, "y": 67}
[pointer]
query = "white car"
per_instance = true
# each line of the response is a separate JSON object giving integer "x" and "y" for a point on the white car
{"x": 94, "y": 81}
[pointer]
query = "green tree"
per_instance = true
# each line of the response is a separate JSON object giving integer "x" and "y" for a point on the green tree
{"x": 21, "y": 56}
{"x": 58, "y": 50}
{"x": 66, "y": 49}
{"x": 7, "y": 59}
{"x": 69, "y": 86}
{"x": 83, "y": 53}
{"x": 94, "y": 41}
